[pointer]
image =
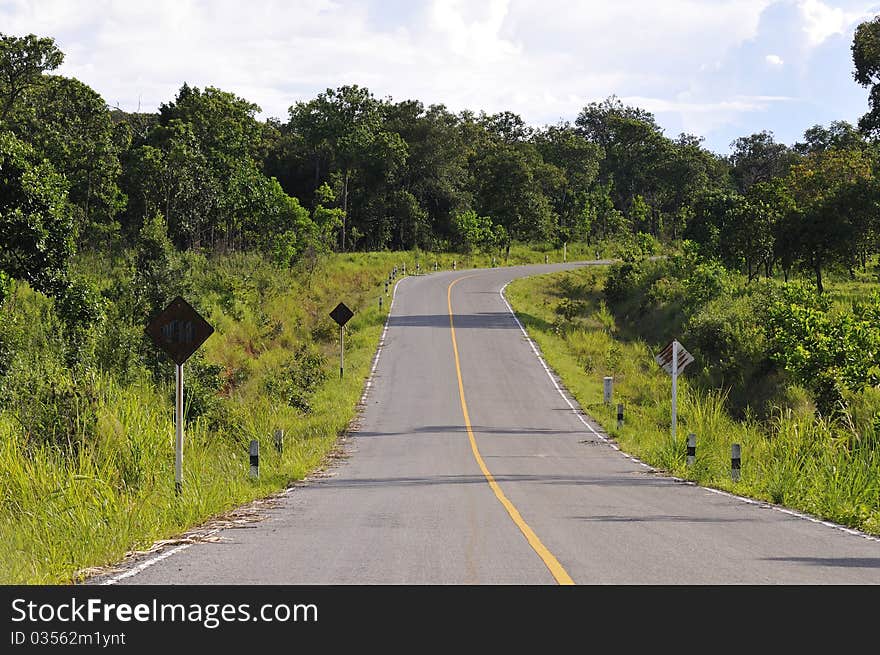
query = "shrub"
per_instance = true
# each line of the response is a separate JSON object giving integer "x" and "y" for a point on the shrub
{"x": 621, "y": 281}
{"x": 203, "y": 382}
{"x": 53, "y": 407}
{"x": 296, "y": 379}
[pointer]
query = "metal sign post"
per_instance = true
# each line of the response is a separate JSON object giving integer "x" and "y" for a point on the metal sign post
{"x": 674, "y": 386}
{"x": 342, "y": 315}
{"x": 178, "y": 431}
{"x": 673, "y": 359}
{"x": 179, "y": 330}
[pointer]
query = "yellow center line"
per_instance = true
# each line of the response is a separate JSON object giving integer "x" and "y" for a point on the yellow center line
{"x": 552, "y": 563}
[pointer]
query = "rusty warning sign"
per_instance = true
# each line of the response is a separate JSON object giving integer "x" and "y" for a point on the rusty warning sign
{"x": 664, "y": 359}
{"x": 179, "y": 330}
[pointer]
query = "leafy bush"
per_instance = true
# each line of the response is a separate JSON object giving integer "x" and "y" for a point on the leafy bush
{"x": 707, "y": 280}
{"x": 621, "y": 281}
{"x": 728, "y": 339}
{"x": 828, "y": 351}
{"x": 53, "y": 407}
{"x": 296, "y": 379}
{"x": 82, "y": 310}
{"x": 473, "y": 232}
{"x": 203, "y": 382}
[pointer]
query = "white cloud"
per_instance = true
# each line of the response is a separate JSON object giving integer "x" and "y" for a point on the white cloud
{"x": 822, "y": 21}
{"x": 774, "y": 60}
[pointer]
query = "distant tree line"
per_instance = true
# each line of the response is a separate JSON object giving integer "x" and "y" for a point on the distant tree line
{"x": 349, "y": 171}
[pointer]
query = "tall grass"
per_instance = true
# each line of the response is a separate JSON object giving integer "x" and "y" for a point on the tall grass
{"x": 826, "y": 468}
{"x": 65, "y": 510}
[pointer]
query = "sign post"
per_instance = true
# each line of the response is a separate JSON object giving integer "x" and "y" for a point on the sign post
{"x": 342, "y": 315}
{"x": 179, "y": 330}
{"x": 672, "y": 359}
{"x": 178, "y": 430}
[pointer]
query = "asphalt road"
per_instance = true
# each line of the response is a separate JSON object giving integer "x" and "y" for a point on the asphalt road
{"x": 514, "y": 489}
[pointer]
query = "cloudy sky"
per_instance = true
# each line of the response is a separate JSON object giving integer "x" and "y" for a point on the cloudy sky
{"x": 719, "y": 69}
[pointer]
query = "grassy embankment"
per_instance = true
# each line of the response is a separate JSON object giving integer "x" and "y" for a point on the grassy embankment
{"x": 789, "y": 456}
{"x": 86, "y": 462}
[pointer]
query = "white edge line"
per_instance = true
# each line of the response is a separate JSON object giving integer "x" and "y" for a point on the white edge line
{"x": 168, "y": 553}
{"x": 145, "y": 565}
{"x": 750, "y": 501}
{"x": 369, "y": 382}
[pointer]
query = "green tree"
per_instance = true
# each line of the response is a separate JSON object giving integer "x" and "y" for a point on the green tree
{"x": 824, "y": 187}
{"x": 71, "y": 126}
{"x": 23, "y": 60}
{"x": 866, "y": 59}
{"x": 36, "y": 226}
{"x": 510, "y": 189}
{"x": 839, "y": 135}
{"x": 577, "y": 161}
{"x": 340, "y": 129}
{"x": 435, "y": 172}
{"x": 758, "y": 158}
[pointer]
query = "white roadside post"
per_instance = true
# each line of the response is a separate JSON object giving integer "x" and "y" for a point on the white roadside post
{"x": 735, "y": 461}
{"x": 254, "y": 452}
{"x": 672, "y": 359}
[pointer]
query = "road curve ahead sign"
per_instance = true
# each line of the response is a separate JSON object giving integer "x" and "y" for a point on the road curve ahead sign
{"x": 179, "y": 330}
{"x": 664, "y": 359}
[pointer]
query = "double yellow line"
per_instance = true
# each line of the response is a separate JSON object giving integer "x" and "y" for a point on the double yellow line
{"x": 548, "y": 558}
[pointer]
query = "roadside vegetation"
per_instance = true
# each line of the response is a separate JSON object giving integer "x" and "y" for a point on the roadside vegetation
{"x": 785, "y": 373}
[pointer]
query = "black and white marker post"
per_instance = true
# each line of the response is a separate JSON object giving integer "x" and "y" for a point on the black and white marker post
{"x": 619, "y": 415}
{"x": 735, "y": 460}
{"x": 692, "y": 449}
{"x": 254, "y": 451}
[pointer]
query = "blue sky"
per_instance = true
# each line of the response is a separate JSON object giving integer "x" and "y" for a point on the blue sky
{"x": 719, "y": 69}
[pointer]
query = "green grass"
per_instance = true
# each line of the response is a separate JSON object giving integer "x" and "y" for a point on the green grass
{"x": 791, "y": 459}
{"x": 64, "y": 512}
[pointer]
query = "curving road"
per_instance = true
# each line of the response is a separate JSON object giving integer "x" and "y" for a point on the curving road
{"x": 470, "y": 467}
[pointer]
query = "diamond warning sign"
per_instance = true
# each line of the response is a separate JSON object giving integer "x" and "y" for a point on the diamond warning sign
{"x": 179, "y": 330}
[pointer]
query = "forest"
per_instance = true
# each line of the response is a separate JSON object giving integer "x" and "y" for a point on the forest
{"x": 105, "y": 215}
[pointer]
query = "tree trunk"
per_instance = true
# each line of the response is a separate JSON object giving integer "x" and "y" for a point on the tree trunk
{"x": 344, "y": 207}
{"x": 818, "y": 268}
